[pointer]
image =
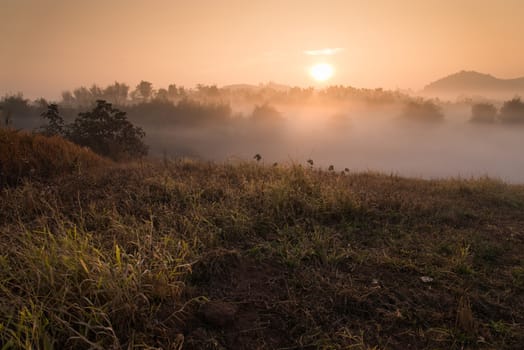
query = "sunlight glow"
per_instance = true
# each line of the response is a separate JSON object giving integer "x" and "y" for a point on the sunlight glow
{"x": 321, "y": 71}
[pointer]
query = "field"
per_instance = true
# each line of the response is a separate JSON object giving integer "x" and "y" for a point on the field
{"x": 180, "y": 254}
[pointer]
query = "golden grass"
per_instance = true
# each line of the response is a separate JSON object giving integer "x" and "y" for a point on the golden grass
{"x": 34, "y": 156}
{"x": 126, "y": 257}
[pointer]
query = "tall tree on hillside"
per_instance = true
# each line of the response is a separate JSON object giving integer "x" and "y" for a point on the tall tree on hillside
{"x": 55, "y": 123}
{"x": 107, "y": 131}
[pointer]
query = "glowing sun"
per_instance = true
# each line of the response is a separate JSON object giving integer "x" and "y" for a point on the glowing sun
{"x": 321, "y": 71}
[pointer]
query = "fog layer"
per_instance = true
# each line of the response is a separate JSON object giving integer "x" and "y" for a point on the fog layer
{"x": 362, "y": 139}
{"x": 343, "y": 127}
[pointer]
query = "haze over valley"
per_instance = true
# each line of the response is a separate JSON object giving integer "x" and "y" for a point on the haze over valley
{"x": 336, "y": 79}
{"x": 261, "y": 174}
{"x": 389, "y": 131}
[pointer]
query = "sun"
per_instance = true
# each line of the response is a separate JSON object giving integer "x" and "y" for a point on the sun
{"x": 321, "y": 71}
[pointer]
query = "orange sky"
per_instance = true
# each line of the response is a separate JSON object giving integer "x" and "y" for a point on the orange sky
{"x": 50, "y": 46}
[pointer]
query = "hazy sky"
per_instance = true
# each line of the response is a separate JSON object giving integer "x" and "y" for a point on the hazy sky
{"x": 49, "y": 46}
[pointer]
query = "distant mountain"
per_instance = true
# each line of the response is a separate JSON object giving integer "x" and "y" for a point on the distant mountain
{"x": 473, "y": 83}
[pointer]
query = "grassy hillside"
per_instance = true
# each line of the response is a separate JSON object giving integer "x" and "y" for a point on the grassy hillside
{"x": 34, "y": 156}
{"x": 187, "y": 255}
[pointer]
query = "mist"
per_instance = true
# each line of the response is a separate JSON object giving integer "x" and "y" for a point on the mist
{"x": 345, "y": 128}
{"x": 362, "y": 138}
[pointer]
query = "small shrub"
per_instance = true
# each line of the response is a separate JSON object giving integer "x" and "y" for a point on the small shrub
{"x": 483, "y": 113}
{"x": 422, "y": 111}
{"x": 512, "y": 111}
{"x": 266, "y": 114}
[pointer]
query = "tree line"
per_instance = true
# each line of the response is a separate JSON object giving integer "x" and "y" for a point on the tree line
{"x": 121, "y": 94}
{"x": 207, "y": 105}
{"x": 511, "y": 112}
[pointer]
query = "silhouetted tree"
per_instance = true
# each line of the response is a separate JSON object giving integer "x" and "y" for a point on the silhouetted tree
{"x": 162, "y": 95}
{"x": 17, "y": 111}
{"x": 422, "y": 111}
{"x": 512, "y": 111}
{"x": 68, "y": 99}
{"x": 107, "y": 131}
{"x": 143, "y": 91}
{"x": 15, "y": 103}
{"x": 116, "y": 93}
{"x": 96, "y": 92}
{"x": 182, "y": 92}
{"x": 55, "y": 123}
{"x": 266, "y": 113}
{"x": 483, "y": 113}
{"x": 83, "y": 97}
{"x": 41, "y": 103}
{"x": 172, "y": 92}
{"x": 209, "y": 91}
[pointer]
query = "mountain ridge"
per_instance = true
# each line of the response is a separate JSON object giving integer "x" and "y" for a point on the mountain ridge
{"x": 473, "y": 82}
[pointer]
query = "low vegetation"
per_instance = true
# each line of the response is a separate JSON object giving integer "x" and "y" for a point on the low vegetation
{"x": 25, "y": 157}
{"x": 423, "y": 111}
{"x": 192, "y": 255}
{"x": 511, "y": 112}
{"x": 483, "y": 113}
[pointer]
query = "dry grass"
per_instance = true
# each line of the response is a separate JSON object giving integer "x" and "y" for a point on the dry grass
{"x": 283, "y": 257}
{"x": 35, "y": 156}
